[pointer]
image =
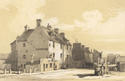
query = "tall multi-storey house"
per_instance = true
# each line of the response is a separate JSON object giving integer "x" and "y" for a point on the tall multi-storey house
{"x": 78, "y": 55}
{"x": 40, "y": 43}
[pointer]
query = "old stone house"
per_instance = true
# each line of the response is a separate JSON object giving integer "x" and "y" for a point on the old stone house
{"x": 41, "y": 42}
{"x": 84, "y": 57}
{"x": 78, "y": 55}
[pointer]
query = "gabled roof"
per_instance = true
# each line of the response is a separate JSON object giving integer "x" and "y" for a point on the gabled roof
{"x": 53, "y": 36}
{"x": 25, "y": 35}
{"x": 59, "y": 38}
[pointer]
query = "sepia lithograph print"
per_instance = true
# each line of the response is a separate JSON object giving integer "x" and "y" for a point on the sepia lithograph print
{"x": 62, "y": 40}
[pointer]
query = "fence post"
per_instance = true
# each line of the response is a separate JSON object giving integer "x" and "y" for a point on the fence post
{"x": 10, "y": 71}
{"x": 5, "y": 71}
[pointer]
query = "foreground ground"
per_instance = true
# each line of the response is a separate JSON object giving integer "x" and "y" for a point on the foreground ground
{"x": 64, "y": 75}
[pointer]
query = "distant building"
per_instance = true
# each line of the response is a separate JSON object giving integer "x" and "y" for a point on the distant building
{"x": 41, "y": 42}
{"x": 111, "y": 58}
{"x": 88, "y": 54}
{"x": 78, "y": 55}
{"x": 96, "y": 56}
{"x": 4, "y": 64}
{"x": 84, "y": 57}
{"x": 121, "y": 63}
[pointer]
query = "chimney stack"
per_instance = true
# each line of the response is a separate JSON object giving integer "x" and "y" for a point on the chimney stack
{"x": 38, "y": 22}
{"x": 49, "y": 27}
{"x": 62, "y": 34}
{"x": 26, "y": 28}
{"x": 56, "y": 30}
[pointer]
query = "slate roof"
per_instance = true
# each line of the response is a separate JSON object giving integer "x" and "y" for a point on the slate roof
{"x": 26, "y": 34}
{"x": 53, "y": 36}
{"x": 56, "y": 37}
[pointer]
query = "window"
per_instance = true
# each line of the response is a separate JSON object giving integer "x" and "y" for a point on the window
{"x": 53, "y": 55}
{"x": 24, "y": 45}
{"x": 24, "y": 56}
{"x": 21, "y": 65}
{"x": 53, "y": 44}
{"x": 60, "y": 46}
{"x": 24, "y": 65}
{"x": 61, "y": 55}
{"x": 67, "y": 47}
{"x": 67, "y": 56}
{"x": 50, "y": 65}
{"x": 49, "y": 44}
{"x": 46, "y": 65}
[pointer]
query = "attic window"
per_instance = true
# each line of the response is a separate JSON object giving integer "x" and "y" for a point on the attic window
{"x": 24, "y": 45}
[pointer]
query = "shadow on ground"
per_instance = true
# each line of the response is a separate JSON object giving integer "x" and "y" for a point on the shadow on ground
{"x": 84, "y": 75}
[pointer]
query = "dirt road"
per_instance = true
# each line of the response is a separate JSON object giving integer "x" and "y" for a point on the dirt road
{"x": 65, "y": 75}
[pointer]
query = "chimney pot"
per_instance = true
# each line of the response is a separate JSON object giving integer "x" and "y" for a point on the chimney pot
{"x": 25, "y": 27}
{"x": 38, "y": 22}
{"x": 62, "y": 34}
{"x": 49, "y": 27}
{"x": 56, "y": 30}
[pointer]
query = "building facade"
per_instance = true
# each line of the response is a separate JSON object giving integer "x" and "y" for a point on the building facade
{"x": 41, "y": 42}
{"x": 78, "y": 55}
{"x": 84, "y": 57}
{"x": 120, "y": 60}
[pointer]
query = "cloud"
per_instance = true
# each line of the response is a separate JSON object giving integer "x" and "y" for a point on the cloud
{"x": 113, "y": 26}
{"x": 4, "y": 4}
{"x": 27, "y": 14}
{"x": 92, "y": 16}
{"x": 79, "y": 23}
{"x": 92, "y": 21}
{"x": 52, "y": 21}
{"x": 110, "y": 40}
{"x": 65, "y": 26}
{"x": 107, "y": 35}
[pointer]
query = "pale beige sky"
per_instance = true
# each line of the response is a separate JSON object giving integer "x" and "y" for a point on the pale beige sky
{"x": 98, "y": 24}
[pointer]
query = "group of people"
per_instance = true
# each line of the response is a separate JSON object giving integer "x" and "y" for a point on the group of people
{"x": 100, "y": 70}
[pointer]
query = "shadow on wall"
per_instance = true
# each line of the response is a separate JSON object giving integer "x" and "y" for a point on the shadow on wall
{"x": 84, "y": 75}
